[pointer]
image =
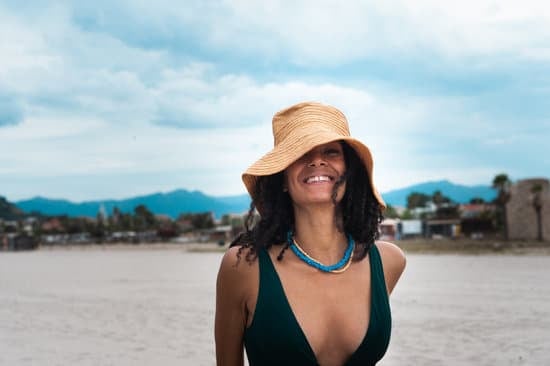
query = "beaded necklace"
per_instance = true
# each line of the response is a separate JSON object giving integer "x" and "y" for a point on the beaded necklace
{"x": 339, "y": 267}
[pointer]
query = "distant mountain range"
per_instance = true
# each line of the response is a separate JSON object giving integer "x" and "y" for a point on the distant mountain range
{"x": 8, "y": 210}
{"x": 182, "y": 201}
{"x": 456, "y": 192}
{"x": 172, "y": 204}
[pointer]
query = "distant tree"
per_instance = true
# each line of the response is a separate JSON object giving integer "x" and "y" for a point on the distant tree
{"x": 100, "y": 227}
{"x": 75, "y": 225}
{"x": 390, "y": 212}
{"x": 63, "y": 221}
{"x": 438, "y": 198}
{"x": 536, "y": 199}
{"x": 502, "y": 184}
{"x": 167, "y": 229}
{"x": 445, "y": 208}
{"x": 126, "y": 222}
{"x": 407, "y": 215}
{"x": 11, "y": 228}
{"x": 416, "y": 199}
{"x": 114, "y": 219}
{"x": 226, "y": 219}
{"x": 202, "y": 220}
{"x": 477, "y": 200}
{"x": 447, "y": 212}
{"x": 144, "y": 219}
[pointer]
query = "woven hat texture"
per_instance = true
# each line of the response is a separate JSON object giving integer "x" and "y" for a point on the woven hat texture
{"x": 297, "y": 130}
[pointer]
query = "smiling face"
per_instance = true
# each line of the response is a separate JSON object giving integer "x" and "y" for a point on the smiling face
{"x": 311, "y": 178}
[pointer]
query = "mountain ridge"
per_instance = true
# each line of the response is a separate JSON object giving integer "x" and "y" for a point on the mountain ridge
{"x": 180, "y": 201}
{"x": 9, "y": 210}
{"x": 457, "y": 192}
{"x": 172, "y": 203}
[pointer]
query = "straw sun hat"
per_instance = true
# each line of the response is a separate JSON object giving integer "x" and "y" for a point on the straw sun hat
{"x": 297, "y": 130}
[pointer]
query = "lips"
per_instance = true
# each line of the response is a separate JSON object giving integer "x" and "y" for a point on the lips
{"x": 315, "y": 179}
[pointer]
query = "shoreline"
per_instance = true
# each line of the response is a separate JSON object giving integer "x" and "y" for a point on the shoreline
{"x": 413, "y": 246}
{"x": 473, "y": 246}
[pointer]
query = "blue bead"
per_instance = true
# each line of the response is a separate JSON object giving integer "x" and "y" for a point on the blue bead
{"x": 320, "y": 266}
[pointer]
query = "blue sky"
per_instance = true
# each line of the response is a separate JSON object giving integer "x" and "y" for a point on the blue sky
{"x": 111, "y": 99}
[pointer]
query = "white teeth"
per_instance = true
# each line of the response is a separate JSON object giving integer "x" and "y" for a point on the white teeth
{"x": 318, "y": 178}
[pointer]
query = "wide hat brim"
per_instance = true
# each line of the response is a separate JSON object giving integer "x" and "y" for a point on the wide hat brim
{"x": 291, "y": 149}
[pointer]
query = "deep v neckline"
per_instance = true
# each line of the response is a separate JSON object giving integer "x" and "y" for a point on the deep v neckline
{"x": 299, "y": 327}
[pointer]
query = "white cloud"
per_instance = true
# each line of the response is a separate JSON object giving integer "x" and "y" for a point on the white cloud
{"x": 22, "y": 48}
{"x": 313, "y": 32}
{"x": 332, "y": 32}
{"x": 106, "y": 129}
{"x": 113, "y": 91}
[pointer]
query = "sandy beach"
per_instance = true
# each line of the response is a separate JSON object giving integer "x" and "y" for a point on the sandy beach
{"x": 154, "y": 304}
{"x": 429, "y": 246}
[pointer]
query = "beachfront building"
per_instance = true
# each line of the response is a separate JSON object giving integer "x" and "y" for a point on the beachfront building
{"x": 443, "y": 228}
{"x": 411, "y": 228}
{"x": 521, "y": 213}
{"x": 396, "y": 229}
{"x": 477, "y": 219}
{"x": 389, "y": 229}
{"x": 221, "y": 234}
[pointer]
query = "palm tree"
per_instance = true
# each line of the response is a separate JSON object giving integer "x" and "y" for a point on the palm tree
{"x": 438, "y": 198}
{"x": 536, "y": 198}
{"x": 502, "y": 183}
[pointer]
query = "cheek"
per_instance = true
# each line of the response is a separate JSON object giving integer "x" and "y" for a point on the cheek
{"x": 288, "y": 180}
{"x": 285, "y": 182}
{"x": 290, "y": 184}
{"x": 291, "y": 173}
{"x": 341, "y": 167}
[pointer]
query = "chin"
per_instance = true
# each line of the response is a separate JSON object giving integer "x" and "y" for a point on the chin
{"x": 318, "y": 197}
{"x": 318, "y": 200}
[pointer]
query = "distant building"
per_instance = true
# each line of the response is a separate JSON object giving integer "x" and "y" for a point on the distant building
{"x": 220, "y": 234}
{"x": 389, "y": 229}
{"x": 477, "y": 219}
{"x": 411, "y": 228}
{"x": 184, "y": 224}
{"x": 52, "y": 225}
{"x": 520, "y": 213}
{"x": 439, "y": 228}
{"x": 428, "y": 210}
{"x": 475, "y": 210}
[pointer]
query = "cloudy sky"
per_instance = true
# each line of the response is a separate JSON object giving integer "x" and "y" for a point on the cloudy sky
{"x": 111, "y": 99}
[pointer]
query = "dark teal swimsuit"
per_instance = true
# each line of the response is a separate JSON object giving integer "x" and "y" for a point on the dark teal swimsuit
{"x": 275, "y": 337}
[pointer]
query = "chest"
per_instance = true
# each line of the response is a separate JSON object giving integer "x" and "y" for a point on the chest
{"x": 332, "y": 310}
{"x": 308, "y": 320}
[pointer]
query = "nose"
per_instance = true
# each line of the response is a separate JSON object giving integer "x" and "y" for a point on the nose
{"x": 316, "y": 159}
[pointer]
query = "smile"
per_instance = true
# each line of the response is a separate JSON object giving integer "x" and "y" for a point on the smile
{"x": 318, "y": 179}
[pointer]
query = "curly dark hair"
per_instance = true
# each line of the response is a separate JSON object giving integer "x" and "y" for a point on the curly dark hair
{"x": 361, "y": 213}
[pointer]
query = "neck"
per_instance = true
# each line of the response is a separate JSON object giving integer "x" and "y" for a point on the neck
{"x": 316, "y": 231}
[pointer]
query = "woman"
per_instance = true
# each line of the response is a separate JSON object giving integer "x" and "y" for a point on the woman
{"x": 324, "y": 301}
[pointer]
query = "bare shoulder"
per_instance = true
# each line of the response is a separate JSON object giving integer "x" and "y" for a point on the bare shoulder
{"x": 237, "y": 279}
{"x": 237, "y": 282}
{"x": 393, "y": 261}
{"x": 238, "y": 275}
{"x": 391, "y": 254}
{"x": 234, "y": 263}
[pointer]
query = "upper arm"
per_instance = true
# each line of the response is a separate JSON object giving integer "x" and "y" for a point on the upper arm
{"x": 230, "y": 318}
{"x": 393, "y": 261}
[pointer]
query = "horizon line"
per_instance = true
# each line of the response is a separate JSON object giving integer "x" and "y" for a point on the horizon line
{"x": 444, "y": 180}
